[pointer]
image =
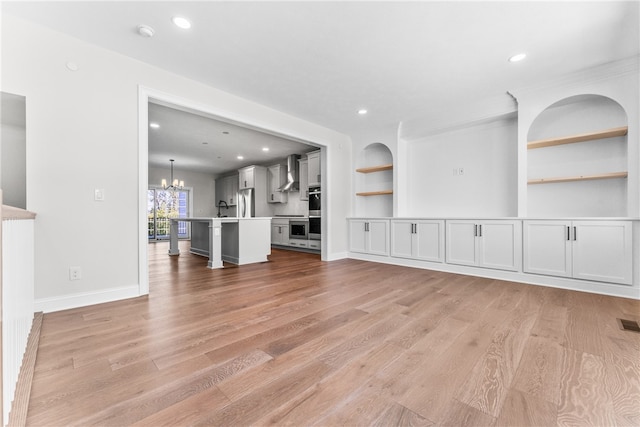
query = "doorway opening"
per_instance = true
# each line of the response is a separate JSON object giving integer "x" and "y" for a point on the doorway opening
{"x": 248, "y": 122}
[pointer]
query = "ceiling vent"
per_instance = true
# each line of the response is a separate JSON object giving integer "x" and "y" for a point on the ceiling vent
{"x": 293, "y": 178}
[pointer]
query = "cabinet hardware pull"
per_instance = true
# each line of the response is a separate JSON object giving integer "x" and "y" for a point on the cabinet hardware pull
{"x": 475, "y": 230}
{"x": 568, "y": 233}
{"x": 575, "y": 234}
{"x": 480, "y": 230}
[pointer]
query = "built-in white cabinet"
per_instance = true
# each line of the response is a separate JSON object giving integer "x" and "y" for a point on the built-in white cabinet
{"x": 370, "y": 236}
{"x": 304, "y": 178}
{"x": 591, "y": 250}
{"x": 418, "y": 239}
{"x": 315, "y": 244}
{"x": 280, "y": 231}
{"x": 488, "y": 243}
{"x": 313, "y": 172}
{"x": 247, "y": 178}
{"x": 299, "y": 243}
{"x": 276, "y": 177}
{"x": 227, "y": 190}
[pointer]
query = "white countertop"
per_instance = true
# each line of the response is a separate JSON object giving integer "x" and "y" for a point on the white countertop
{"x": 223, "y": 219}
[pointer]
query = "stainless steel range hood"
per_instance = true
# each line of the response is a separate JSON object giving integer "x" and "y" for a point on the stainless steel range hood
{"x": 293, "y": 178}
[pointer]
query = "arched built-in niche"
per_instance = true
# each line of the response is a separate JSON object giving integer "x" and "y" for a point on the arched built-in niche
{"x": 374, "y": 181}
{"x": 577, "y": 159}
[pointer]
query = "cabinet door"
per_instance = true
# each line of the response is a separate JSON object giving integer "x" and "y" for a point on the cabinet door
{"x": 402, "y": 239}
{"x": 273, "y": 172}
{"x": 461, "y": 243}
{"x": 246, "y": 178}
{"x": 603, "y": 251}
{"x": 304, "y": 179}
{"x": 547, "y": 248}
{"x": 276, "y": 234}
{"x": 232, "y": 190}
{"x": 357, "y": 235}
{"x": 428, "y": 240}
{"x": 314, "y": 168}
{"x": 499, "y": 245}
{"x": 378, "y": 237}
{"x": 221, "y": 190}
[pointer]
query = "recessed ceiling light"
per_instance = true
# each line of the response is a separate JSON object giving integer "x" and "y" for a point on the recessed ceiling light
{"x": 72, "y": 66}
{"x": 518, "y": 57}
{"x": 145, "y": 31}
{"x": 154, "y": 125}
{"x": 181, "y": 22}
{"x": 362, "y": 111}
{"x": 240, "y": 157}
{"x": 265, "y": 149}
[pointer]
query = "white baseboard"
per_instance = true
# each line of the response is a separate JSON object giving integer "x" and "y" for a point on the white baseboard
{"x": 65, "y": 302}
{"x": 336, "y": 256}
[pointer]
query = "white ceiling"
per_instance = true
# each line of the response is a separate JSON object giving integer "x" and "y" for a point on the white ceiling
{"x": 322, "y": 61}
{"x": 197, "y": 142}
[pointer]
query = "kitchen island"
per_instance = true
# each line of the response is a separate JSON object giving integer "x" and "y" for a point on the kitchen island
{"x": 235, "y": 240}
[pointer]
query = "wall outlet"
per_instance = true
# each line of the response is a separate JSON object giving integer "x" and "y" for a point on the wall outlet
{"x": 75, "y": 273}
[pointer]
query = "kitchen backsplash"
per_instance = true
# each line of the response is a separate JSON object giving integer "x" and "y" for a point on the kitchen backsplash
{"x": 294, "y": 206}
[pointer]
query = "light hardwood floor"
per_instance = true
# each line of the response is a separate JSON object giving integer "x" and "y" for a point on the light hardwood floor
{"x": 299, "y": 342}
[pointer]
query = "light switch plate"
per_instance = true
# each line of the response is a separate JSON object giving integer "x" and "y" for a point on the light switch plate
{"x": 98, "y": 194}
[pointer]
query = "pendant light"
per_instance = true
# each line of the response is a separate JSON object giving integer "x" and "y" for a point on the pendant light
{"x": 175, "y": 184}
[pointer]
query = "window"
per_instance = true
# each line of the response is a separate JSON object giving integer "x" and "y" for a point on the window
{"x": 162, "y": 205}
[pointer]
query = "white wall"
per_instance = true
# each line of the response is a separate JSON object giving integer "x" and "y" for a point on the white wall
{"x": 487, "y": 153}
{"x": 82, "y": 134}
{"x": 202, "y": 187}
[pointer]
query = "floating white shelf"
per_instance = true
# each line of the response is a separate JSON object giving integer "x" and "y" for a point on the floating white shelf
{"x": 590, "y": 136}
{"x": 578, "y": 178}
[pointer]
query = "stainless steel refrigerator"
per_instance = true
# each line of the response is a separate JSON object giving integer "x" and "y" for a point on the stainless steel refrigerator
{"x": 246, "y": 203}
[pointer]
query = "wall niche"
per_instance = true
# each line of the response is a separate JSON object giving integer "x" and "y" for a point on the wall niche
{"x": 577, "y": 159}
{"x": 374, "y": 181}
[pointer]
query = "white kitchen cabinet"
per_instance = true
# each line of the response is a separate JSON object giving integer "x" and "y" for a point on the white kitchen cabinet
{"x": 246, "y": 178}
{"x": 591, "y": 250}
{"x": 369, "y": 236}
{"x": 280, "y": 232}
{"x": 313, "y": 159}
{"x": 276, "y": 177}
{"x": 303, "y": 174}
{"x": 227, "y": 190}
{"x": 231, "y": 190}
{"x": 493, "y": 244}
{"x": 299, "y": 243}
{"x": 418, "y": 239}
{"x": 315, "y": 244}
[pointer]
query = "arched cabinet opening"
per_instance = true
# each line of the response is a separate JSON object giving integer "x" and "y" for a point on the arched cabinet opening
{"x": 374, "y": 181}
{"x": 577, "y": 159}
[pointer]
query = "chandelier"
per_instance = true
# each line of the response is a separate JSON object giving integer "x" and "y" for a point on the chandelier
{"x": 175, "y": 184}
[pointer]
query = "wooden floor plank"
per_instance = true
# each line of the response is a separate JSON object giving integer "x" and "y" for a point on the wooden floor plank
{"x": 583, "y": 397}
{"x": 299, "y": 341}
{"x": 523, "y": 409}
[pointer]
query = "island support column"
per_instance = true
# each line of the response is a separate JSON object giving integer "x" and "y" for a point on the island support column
{"x": 173, "y": 238}
{"x": 215, "y": 244}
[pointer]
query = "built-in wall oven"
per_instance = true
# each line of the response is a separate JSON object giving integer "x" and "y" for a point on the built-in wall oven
{"x": 298, "y": 229}
{"x": 315, "y": 231}
{"x": 315, "y": 206}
